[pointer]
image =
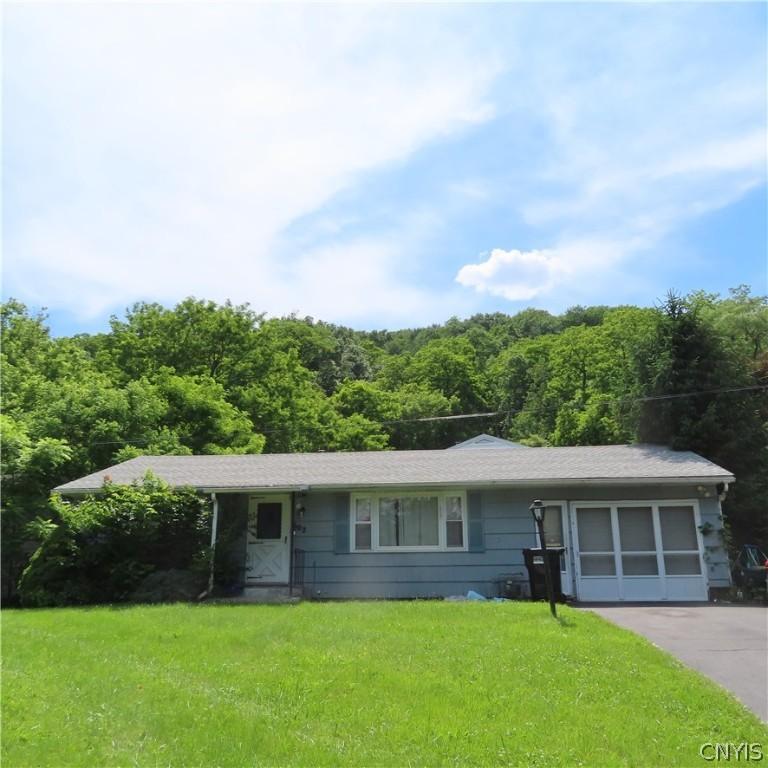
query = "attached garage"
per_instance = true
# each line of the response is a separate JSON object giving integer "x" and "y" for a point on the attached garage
{"x": 638, "y": 550}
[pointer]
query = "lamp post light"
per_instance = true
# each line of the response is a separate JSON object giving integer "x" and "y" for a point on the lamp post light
{"x": 538, "y": 510}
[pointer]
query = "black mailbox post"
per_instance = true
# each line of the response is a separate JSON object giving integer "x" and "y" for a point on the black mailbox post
{"x": 538, "y": 511}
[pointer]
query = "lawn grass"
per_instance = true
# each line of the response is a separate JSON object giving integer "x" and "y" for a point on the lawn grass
{"x": 399, "y": 684}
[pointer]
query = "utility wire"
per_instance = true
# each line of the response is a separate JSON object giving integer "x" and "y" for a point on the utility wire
{"x": 487, "y": 414}
{"x": 701, "y": 392}
{"x": 442, "y": 418}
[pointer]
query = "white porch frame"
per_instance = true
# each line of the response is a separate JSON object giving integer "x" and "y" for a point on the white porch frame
{"x": 662, "y": 575}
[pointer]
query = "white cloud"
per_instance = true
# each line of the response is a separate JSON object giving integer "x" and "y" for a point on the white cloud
{"x": 172, "y": 146}
{"x": 653, "y": 131}
{"x": 514, "y": 275}
{"x": 525, "y": 275}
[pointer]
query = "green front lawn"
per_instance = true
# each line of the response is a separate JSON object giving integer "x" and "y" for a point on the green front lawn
{"x": 421, "y": 683}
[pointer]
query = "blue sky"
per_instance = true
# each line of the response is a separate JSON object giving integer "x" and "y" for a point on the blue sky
{"x": 381, "y": 166}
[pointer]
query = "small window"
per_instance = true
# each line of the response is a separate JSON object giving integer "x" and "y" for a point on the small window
{"x": 363, "y": 523}
{"x": 362, "y": 537}
{"x": 269, "y": 520}
{"x": 454, "y": 522}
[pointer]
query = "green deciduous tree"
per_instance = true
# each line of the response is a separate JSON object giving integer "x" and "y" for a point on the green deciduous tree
{"x": 29, "y": 466}
{"x": 196, "y": 338}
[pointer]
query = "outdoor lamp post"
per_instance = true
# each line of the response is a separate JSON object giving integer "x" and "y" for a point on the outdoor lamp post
{"x": 538, "y": 510}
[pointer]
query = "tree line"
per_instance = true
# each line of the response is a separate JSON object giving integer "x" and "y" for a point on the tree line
{"x": 203, "y": 377}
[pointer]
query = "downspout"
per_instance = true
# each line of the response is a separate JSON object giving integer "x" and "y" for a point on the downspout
{"x": 290, "y": 549}
{"x": 214, "y": 531}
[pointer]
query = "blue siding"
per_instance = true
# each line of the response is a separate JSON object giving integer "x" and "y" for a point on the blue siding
{"x": 715, "y": 554}
{"x": 331, "y": 571}
{"x": 409, "y": 574}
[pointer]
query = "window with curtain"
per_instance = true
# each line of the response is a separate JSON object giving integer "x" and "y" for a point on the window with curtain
{"x": 408, "y": 522}
{"x": 388, "y": 521}
{"x": 553, "y": 525}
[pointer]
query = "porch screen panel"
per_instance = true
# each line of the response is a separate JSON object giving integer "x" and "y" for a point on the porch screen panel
{"x": 679, "y": 541}
{"x": 638, "y": 546}
{"x": 678, "y": 528}
{"x": 598, "y": 565}
{"x": 595, "y": 534}
{"x": 596, "y": 554}
{"x": 682, "y": 565}
{"x": 636, "y": 529}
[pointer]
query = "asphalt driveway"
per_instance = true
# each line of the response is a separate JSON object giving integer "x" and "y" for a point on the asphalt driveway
{"x": 728, "y": 643}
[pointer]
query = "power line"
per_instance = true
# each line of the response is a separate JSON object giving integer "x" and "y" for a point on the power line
{"x": 441, "y": 418}
{"x": 701, "y": 392}
{"x": 487, "y": 414}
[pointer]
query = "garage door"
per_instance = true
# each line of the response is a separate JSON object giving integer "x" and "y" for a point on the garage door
{"x": 638, "y": 551}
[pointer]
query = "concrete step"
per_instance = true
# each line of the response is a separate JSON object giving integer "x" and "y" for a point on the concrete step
{"x": 267, "y": 594}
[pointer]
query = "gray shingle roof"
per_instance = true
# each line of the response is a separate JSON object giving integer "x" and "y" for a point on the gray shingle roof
{"x": 597, "y": 464}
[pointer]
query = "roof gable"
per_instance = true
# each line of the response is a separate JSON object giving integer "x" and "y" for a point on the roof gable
{"x": 485, "y": 441}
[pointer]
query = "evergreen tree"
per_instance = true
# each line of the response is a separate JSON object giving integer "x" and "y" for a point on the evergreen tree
{"x": 687, "y": 409}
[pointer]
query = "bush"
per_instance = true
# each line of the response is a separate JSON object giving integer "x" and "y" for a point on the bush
{"x": 170, "y": 586}
{"x": 103, "y": 547}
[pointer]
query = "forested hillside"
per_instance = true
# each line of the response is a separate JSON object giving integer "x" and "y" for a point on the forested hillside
{"x": 207, "y": 378}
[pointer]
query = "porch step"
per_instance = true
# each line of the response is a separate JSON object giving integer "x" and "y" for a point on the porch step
{"x": 267, "y": 594}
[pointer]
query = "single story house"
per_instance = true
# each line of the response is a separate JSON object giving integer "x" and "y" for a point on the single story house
{"x": 638, "y": 522}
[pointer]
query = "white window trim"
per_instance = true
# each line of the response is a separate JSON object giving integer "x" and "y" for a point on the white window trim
{"x": 441, "y": 495}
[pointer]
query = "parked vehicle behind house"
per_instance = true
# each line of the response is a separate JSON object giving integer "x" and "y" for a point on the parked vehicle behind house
{"x": 750, "y": 571}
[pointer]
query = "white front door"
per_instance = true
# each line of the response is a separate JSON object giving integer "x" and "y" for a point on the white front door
{"x": 638, "y": 551}
{"x": 269, "y": 549}
{"x": 556, "y": 533}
